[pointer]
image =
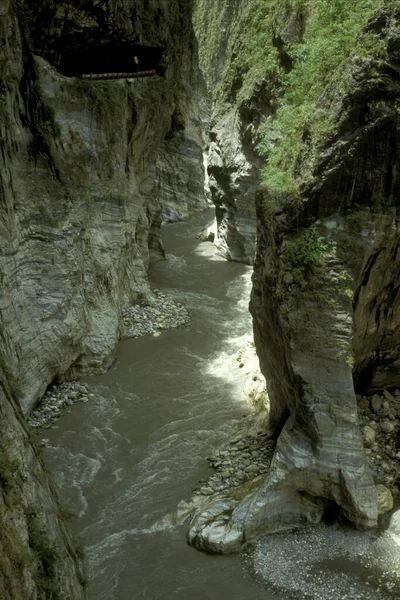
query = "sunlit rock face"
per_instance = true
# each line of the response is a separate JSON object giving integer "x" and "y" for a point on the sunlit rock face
{"x": 233, "y": 165}
{"x": 88, "y": 172}
{"x": 325, "y": 306}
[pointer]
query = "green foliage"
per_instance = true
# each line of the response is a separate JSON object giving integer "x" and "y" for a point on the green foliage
{"x": 333, "y": 33}
{"x": 348, "y": 292}
{"x": 10, "y": 474}
{"x": 252, "y": 70}
{"x": 208, "y": 21}
{"x": 245, "y": 42}
{"x": 309, "y": 250}
{"x": 258, "y": 55}
{"x": 65, "y": 513}
{"x": 80, "y": 551}
{"x": 379, "y": 204}
{"x": 38, "y": 540}
{"x": 330, "y": 409}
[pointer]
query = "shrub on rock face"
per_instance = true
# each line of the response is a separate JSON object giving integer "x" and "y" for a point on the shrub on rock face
{"x": 309, "y": 250}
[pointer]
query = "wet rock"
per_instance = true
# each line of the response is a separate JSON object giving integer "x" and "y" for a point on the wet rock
{"x": 153, "y": 315}
{"x": 387, "y": 426}
{"x": 55, "y": 400}
{"x": 385, "y": 499}
{"x": 206, "y": 491}
{"x": 369, "y": 435}
{"x": 376, "y": 403}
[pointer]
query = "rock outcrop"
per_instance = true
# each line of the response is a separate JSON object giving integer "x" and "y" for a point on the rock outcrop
{"x": 233, "y": 165}
{"x": 327, "y": 257}
{"x": 88, "y": 171}
{"x": 84, "y": 185}
{"x": 37, "y": 559}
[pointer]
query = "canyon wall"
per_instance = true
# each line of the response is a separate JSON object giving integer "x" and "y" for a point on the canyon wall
{"x": 89, "y": 169}
{"x": 37, "y": 557}
{"x": 233, "y": 164}
{"x": 325, "y": 300}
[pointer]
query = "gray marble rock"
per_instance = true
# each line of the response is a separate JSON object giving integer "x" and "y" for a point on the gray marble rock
{"x": 86, "y": 190}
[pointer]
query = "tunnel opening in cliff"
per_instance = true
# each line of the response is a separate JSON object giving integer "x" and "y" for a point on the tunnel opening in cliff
{"x": 112, "y": 57}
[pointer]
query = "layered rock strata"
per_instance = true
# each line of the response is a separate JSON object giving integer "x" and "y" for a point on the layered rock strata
{"x": 233, "y": 165}
{"x": 85, "y": 178}
{"x": 84, "y": 185}
{"x": 37, "y": 558}
{"x": 327, "y": 255}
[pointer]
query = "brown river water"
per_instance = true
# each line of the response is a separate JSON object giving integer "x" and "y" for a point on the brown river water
{"x": 125, "y": 459}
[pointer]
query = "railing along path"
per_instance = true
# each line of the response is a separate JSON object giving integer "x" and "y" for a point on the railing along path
{"x": 137, "y": 74}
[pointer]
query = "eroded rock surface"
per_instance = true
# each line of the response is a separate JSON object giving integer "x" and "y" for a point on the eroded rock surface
{"x": 326, "y": 256}
{"x": 233, "y": 165}
{"x": 37, "y": 558}
{"x": 87, "y": 171}
{"x": 84, "y": 186}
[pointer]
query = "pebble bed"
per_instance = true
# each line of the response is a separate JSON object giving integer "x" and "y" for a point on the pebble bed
{"x": 248, "y": 457}
{"x": 55, "y": 401}
{"x": 241, "y": 460}
{"x": 379, "y": 418}
{"x": 327, "y": 563}
{"x": 150, "y": 317}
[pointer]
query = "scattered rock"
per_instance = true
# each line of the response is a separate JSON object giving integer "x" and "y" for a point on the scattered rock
{"x": 152, "y": 316}
{"x": 234, "y": 465}
{"x": 388, "y": 397}
{"x": 252, "y": 469}
{"x": 369, "y": 435}
{"x": 387, "y": 427}
{"x": 376, "y": 403}
{"x": 379, "y": 422}
{"x": 385, "y": 499}
{"x": 54, "y": 401}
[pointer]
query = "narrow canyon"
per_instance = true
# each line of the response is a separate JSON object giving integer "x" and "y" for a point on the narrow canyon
{"x": 199, "y": 299}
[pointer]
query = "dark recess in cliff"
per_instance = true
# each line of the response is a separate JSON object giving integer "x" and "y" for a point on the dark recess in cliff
{"x": 89, "y": 44}
{"x": 110, "y": 58}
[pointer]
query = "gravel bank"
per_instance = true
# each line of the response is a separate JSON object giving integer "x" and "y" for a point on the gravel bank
{"x": 328, "y": 563}
{"x": 150, "y": 317}
{"x": 56, "y": 400}
{"x": 244, "y": 458}
{"x": 379, "y": 418}
{"x": 145, "y": 318}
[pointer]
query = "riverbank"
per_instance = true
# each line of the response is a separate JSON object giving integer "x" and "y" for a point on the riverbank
{"x": 327, "y": 563}
{"x": 160, "y": 312}
{"x": 153, "y": 315}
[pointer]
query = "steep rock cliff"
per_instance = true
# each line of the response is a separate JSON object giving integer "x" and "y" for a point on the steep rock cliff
{"x": 325, "y": 300}
{"x": 84, "y": 186}
{"x": 233, "y": 165}
{"x": 37, "y": 559}
{"x": 86, "y": 174}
